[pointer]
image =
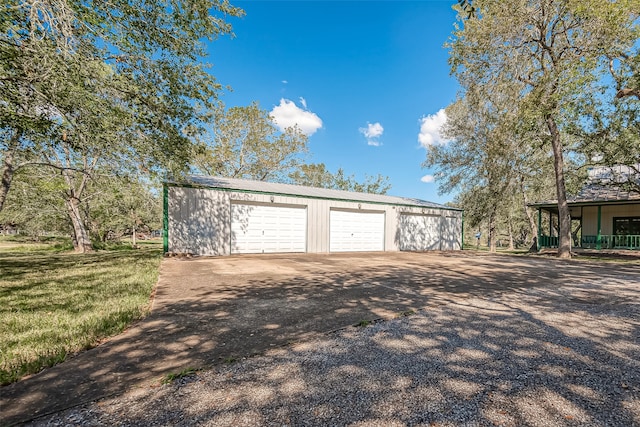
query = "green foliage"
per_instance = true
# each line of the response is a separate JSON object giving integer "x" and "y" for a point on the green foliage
{"x": 90, "y": 88}
{"x": 314, "y": 175}
{"x": 113, "y": 207}
{"x": 487, "y": 162}
{"x": 53, "y": 305}
{"x": 20, "y": 243}
{"x": 406, "y": 313}
{"x": 35, "y": 206}
{"x": 121, "y": 206}
{"x": 317, "y": 175}
{"x": 608, "y": 129}
{"x": 185, "y": 373}
{"x": 531, "y": 68}
{"x": 140, "y": 60}
{"x": 245, "y": 143}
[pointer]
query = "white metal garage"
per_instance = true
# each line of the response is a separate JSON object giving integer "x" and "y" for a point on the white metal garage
{"x": 353, "y": 231}
{"x": 268, "y": 229}
{"x": 419, "y": 232}
{"x": 205, "y": 215}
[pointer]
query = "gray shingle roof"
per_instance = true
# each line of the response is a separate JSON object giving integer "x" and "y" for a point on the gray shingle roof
{"x": 606, "y": 184}
{"x": 595, "y": 192}
{"x": 299, "y": 190}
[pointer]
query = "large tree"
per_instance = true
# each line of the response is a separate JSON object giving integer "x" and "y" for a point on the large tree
{"x": 609, "y": 125}
{"x": 122, "y": 206}
{"x": 554, "y": 49}
{"x": 245, "y": 143}
{"x": 485, "y": 160}
{"x": 113, "y": 207}
{"x": 34, "y": 206}
{"x": 610, "y": 138}
{"x": 116, "y": 85}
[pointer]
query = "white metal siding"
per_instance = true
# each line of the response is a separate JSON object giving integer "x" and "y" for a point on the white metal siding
{"x": 200, "y": 219}
{"x": 268, "y": 229}
{"x": 419, "y": 232}
{"x": 451, "y": 233}
{"x": 356, "y": 231}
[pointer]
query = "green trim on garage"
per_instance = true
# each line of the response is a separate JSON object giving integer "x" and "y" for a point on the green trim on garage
{"x": 462, "y": 232}
{"x": 165, "y": 218}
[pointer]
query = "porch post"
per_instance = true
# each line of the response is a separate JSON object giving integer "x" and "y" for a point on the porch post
{"x": 538, "y": 244}
{"x": 581, "y": 223}
{"x": 599, "y": 236}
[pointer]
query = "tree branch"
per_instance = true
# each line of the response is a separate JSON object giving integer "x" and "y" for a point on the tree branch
{"x": 623, "y": 93}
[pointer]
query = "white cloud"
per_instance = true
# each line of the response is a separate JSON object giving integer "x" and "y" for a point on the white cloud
{"x": 372, "y": 132}
{"x": 430, "y": 129}
{"x": 285, "y": 82}
{"x": 288, "y": 114}
{"x": 427, "y": 178}
{"x": 303, "y": 102}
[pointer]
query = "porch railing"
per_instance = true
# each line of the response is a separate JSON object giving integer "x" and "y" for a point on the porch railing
{"x": 548, "y": 241}
{"x": 591, "y": 242}
{"x": 612, "y": 242}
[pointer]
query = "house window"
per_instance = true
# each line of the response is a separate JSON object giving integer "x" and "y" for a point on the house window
{"x": 626, "y": 226}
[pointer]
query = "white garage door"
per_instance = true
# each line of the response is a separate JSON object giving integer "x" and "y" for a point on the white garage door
{"x": 268, "y": 229}
{"x": 419, "y": 232}
{"x": 356, "y": 231}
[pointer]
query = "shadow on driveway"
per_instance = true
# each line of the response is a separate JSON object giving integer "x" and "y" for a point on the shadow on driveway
{"x": 208, "y": 310}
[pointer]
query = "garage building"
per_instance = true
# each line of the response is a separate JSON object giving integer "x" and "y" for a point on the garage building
{"x": 222, "y": 216}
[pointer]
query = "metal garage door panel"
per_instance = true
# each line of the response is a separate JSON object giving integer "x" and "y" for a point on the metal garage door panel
{"x": 411, "y": 233}
{"x": 268, "y": 229}
{"x": 419, "y": 232}
{"x": 356, "y": 231}
{"x": 451, "y": 233}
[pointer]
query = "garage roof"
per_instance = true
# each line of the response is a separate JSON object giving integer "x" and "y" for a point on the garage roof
{"x": 302, "y": 191}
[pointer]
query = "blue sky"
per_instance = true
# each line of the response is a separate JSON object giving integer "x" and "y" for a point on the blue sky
{"x": 362, "y": 78}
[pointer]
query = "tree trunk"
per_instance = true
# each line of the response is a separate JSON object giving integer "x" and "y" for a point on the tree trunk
{"x": 510, "y": 227}
{"x": 81, "y": 240}
{"x": 564, "y": 217}
{"x": 8, "y": 168}
{"x": 532, "y": 222}
{"x": 492, "y": 231}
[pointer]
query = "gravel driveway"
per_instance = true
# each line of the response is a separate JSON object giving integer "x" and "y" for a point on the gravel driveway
{"x": 539, "y": 356}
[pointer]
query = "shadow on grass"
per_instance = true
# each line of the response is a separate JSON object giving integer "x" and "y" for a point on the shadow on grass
{"x": 15, "y": 265}
{"x": 52, "y": 305}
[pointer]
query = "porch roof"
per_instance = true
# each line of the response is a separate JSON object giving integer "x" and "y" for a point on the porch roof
{"x": 605, "y": 186}
{"x": 595, "y": 196}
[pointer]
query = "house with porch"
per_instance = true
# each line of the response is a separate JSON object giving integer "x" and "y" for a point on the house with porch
{"x": 605, "y": 214}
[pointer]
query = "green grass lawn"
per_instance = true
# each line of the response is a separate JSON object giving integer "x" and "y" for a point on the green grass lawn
{"x": 53, "y": 303}
{"x": 20, "y": 243}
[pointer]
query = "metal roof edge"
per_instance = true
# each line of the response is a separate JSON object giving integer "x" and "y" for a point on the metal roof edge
{"x": 554, "y": 203}
{"x": 174, "y": 183}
